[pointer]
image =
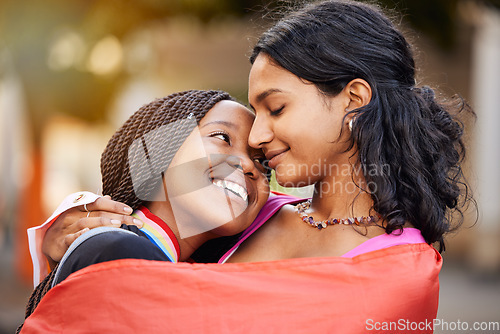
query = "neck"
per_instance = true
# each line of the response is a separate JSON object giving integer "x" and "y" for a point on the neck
{"x": 341, "y": 196}
{"x": 188, "y": 245}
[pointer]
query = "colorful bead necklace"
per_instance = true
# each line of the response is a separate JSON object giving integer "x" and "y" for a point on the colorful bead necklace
{"x": 302, "y": 207}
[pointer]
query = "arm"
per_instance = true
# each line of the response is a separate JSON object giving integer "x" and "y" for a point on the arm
{"x": 49, "y": 241}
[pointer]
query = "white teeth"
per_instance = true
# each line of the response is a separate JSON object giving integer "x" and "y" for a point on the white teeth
{"x": 233, "y": 187}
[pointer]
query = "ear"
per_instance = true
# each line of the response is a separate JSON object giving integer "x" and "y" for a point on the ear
{"x": 359, "y": 93}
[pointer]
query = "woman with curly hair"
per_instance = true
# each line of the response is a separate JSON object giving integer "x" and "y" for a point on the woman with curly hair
{"x": 337, "y": 106}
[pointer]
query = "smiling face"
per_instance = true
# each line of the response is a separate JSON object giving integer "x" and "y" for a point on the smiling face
{"x": 296, "y": 125}
{"x": 215, "y": 182}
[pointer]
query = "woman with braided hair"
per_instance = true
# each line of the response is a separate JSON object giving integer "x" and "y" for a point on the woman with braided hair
{"x": 337, "y": 107}
{"x": 182, "y": 163}
{"x": 174, "y": 161}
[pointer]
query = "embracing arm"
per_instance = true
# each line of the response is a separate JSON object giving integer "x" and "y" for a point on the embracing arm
{"x": 49, "y": 241}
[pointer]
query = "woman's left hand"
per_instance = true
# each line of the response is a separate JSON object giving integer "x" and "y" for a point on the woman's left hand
{"x": 74, "y": 222}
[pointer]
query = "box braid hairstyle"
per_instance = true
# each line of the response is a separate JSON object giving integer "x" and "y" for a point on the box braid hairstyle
{"x": 117, "y": 180}
{"x": 411, "y": 139}
{"x": 115, "y": 168}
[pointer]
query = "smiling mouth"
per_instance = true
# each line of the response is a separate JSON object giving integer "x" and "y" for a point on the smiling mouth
{"x": 232, "y": 187}
{"x": 274, "y": 156}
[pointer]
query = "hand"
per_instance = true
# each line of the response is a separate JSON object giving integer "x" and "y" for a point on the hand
{"x": 76, "y": 221}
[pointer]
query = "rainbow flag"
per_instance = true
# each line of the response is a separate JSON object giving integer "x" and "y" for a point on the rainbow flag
{"x": 158, "y": 232}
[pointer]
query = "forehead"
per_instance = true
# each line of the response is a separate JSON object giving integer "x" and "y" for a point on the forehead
{"x": 268, "y": 81}
{"x": 229, "y": 112}
{"x": 267, "y": 77}
{"x": 263, "y": 68}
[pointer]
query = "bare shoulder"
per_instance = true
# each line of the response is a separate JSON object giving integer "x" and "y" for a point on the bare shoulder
{"x": 265, "y": 244}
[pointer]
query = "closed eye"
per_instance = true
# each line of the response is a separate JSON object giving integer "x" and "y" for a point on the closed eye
{"x": 278, "y": 111}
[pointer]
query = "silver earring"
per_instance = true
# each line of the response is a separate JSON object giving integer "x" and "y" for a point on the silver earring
{"x": 350, "y": 124}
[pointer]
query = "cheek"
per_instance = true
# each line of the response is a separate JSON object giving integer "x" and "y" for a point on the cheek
{"x": 322, "y": 135}
{"x": 216, "y": 154}
{"x": 191, "y": 149}
{"x": 263, "y": 196}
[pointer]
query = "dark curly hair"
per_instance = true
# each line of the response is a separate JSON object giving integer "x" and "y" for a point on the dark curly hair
{"x": 404, "y": 130}
{"x": 141, "y": 141}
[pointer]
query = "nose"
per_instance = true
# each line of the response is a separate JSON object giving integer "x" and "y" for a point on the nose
{"x": 261, "y": 132}
{"x": 244, "y": 163}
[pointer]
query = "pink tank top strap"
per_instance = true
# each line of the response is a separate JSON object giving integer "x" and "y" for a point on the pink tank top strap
{"x": 273, "y": 204}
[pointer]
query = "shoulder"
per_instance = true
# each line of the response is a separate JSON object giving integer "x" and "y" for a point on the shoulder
{"x": 279, "y": 200}
{"x": 276, "y": 205}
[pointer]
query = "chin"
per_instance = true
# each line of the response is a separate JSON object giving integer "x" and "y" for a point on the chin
{"x": 231, "y": 228}
{"x": 294, "y": 181}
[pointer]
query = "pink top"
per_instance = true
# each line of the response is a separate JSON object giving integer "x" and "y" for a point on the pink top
{"x": 409, "y": 235}
{"x": 274, "y": 203}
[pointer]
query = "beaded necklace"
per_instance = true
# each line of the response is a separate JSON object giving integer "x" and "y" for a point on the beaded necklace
{"x": 302, "y": 207}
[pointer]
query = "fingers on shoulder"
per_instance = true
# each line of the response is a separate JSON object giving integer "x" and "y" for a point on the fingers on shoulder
{"x": 105, "y": 203}
{"x": 93, "y": 222}
{"x": 70, "y": 238}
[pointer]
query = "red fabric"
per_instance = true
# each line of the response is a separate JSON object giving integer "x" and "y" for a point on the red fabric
{"x": 305, "y": 295}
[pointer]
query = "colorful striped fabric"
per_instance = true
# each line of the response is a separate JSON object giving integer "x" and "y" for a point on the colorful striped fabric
{"x": 159, "y": 233}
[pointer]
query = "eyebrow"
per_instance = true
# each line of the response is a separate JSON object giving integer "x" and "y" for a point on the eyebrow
{"x": 266, "y": 93}
{"x": 226, "y": 123}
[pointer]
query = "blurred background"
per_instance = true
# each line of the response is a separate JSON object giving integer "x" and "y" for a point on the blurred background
{"x": 72, "y": 71}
